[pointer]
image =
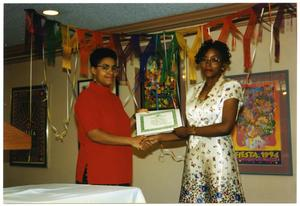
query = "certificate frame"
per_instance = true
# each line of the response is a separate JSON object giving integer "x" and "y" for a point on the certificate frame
{"x": 273, "y": 157}
{"x": 159, "y": 121}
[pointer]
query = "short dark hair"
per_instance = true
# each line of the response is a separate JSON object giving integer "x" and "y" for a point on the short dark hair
{"x": 221, "y": 47}
{"x": 98, "y": 54}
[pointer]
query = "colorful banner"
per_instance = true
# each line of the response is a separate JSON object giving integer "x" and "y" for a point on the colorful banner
{"x": 40, "y": 35}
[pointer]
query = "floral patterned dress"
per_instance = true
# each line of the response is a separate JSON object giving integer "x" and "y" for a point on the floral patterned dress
{"x": 211, "y": 173}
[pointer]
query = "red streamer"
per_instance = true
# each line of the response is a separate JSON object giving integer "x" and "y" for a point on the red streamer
{"x": 88, "y": 41}
{"x": 229, "y": 27}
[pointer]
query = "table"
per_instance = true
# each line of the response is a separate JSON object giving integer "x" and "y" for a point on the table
{"x": 72, "y": 193}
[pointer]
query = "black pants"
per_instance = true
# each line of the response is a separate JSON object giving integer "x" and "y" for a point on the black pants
{"x": 85, "y": 181}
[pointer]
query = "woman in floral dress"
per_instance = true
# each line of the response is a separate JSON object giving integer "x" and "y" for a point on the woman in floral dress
{"x": 211, "y": 173}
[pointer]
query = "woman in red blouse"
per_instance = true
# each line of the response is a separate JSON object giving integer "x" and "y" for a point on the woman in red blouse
{"x": 104, "y": 128}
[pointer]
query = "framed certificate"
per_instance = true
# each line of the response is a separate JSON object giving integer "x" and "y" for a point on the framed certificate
{"x": 155, "y": 122}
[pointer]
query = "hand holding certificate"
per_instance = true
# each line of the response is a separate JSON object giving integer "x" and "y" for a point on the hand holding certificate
{"x": 155, "y": 122}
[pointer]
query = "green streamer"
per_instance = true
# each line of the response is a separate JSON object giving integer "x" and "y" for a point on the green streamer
{"x": 53, "y": 40}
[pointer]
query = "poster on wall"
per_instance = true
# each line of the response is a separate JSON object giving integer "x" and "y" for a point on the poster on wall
{"x": 261, "y": 137}
{"x": 31, "y": 121}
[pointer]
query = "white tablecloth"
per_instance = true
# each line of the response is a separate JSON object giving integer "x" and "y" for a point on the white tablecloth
{"x": 72, "y": 193}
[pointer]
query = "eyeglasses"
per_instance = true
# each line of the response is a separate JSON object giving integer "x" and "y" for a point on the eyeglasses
{"x": 213, "y": 60}
{"x": 106, "y": 67}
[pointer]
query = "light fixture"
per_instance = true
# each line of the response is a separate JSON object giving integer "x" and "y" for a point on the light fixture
{"x": 50, "y": 12}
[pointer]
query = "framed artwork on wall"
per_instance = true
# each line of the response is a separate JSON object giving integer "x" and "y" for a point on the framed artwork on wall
{"x": 29, "y": 114}
{"x": 262, "y": 137}
{"x": 158, "y": 93}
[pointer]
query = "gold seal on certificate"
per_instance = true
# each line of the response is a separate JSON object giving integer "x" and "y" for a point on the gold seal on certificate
{"x": 155, "y": 122}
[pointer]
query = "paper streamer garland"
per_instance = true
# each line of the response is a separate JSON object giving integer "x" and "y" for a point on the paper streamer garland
{"x": 47, "y": 34}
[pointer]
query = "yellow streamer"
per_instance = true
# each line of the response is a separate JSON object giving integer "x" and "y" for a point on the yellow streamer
{"x": 191, "y": 52}
{"x": 69, "y": 45}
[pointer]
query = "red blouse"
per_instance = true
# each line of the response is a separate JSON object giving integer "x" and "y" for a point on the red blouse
{"x": 98, "y": 108}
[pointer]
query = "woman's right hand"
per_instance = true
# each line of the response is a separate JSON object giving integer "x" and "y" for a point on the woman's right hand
{"x": 141, "y": 143}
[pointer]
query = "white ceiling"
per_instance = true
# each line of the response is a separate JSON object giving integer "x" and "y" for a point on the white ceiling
{"x": 93, "y": 16}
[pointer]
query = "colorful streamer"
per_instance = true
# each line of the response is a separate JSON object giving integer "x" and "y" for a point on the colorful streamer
{"x": 191, "y": 52}
{"x": 69, "y": 45}
{"x": 52, "y": 40}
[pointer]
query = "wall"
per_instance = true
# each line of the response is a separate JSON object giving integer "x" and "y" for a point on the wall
{"x": 62, "y": 156}
{"x": 159, "y": 179}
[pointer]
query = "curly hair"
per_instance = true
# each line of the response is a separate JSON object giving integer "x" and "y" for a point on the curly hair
{"x": 221, "y": 47}
{"x": 98, "y": 54}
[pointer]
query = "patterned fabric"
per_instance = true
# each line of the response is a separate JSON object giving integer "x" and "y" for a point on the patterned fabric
{"x": 211, "y": 173}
